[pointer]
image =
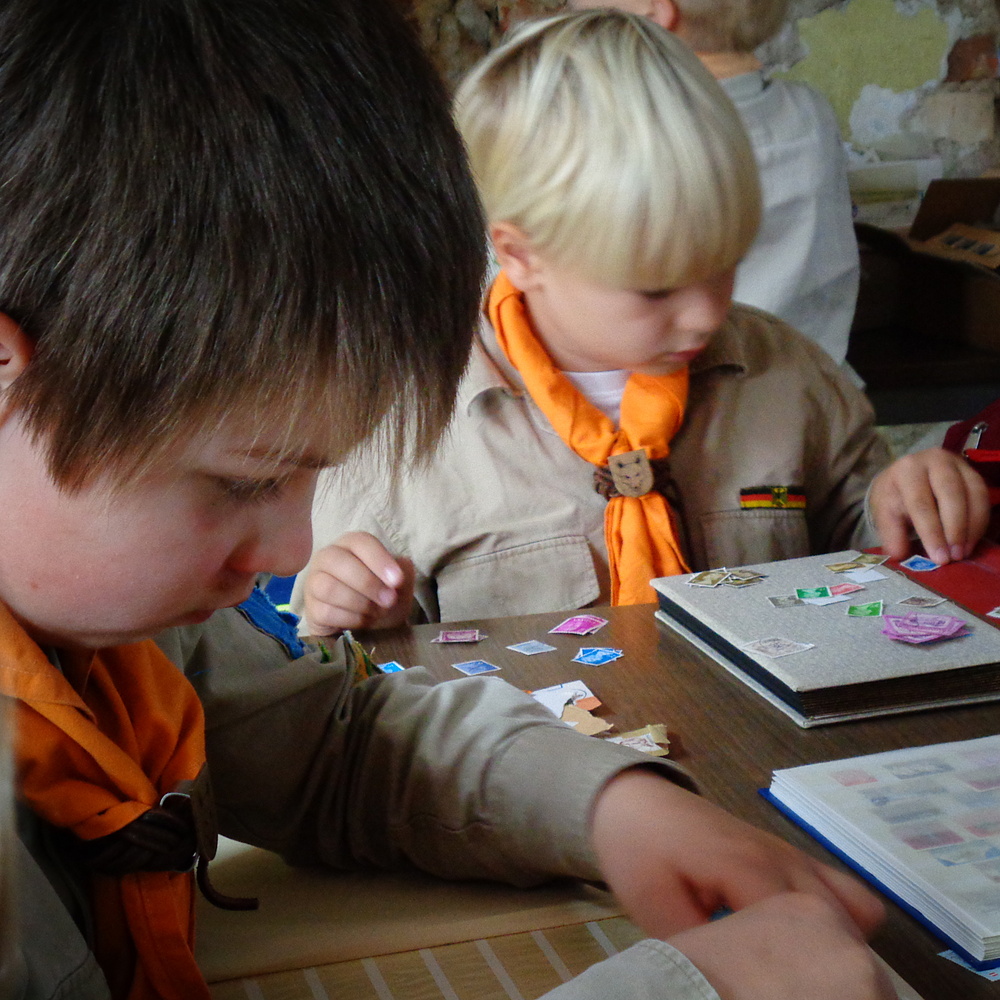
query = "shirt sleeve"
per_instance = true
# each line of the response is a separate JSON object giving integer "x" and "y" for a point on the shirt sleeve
{"x": 845, "y": 452}
{"x": 465, "y": 779}
{"x": 649, "y": 970}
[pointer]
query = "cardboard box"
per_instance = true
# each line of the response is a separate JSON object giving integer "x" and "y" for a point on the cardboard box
{"x": 928, "y": 279}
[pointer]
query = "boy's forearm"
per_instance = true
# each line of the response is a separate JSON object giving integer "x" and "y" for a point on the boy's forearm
{"x": 470, "y": 778}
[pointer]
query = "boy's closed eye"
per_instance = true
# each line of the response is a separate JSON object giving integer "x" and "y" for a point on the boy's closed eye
{"x": 656, "y": 294}
{"x": 251, "y": 491}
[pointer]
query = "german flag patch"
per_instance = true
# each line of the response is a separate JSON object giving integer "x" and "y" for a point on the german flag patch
{"x": 776, "y": 497}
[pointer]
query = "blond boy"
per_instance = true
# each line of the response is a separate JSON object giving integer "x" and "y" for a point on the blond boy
{"x": 803, "y": 266}
{"x": 621, "y": 195}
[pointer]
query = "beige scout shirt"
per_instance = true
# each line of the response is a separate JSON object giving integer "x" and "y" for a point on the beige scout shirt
{"x": 504, "y": 519}
{"x": 468, "y": 779}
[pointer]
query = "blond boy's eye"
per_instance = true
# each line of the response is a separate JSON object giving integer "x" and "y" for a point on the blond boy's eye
{"x": 251, "y": 490}
{"x": 657, "y": 294}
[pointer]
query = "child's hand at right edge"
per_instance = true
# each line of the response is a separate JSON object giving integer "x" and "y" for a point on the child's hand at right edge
{"x": 673, "y": 859}
{"x": 356, "y": 583}
{"x": 938, "y": 495}
{"x": 784, "y": 948}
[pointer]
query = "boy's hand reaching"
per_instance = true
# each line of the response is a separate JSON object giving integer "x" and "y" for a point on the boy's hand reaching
{"x": 935, "y": 493}
{"x": 673, "y": 859}
{"x": 784, "y": 948}
{"x": 356, "y": 583}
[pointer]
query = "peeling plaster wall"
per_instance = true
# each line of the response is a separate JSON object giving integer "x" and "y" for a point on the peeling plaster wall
{"x": 907, "y": 78}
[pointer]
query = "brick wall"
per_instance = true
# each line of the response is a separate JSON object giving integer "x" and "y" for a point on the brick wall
{"x": 458, "y": 32}
{"x": 946, "y": 110}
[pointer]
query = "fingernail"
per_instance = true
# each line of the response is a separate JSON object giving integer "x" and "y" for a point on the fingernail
{"x": 958, "y": 552}
{"x": 941, "y": 556}
{"x": 386, "y": 598}
{"x": 393, "y": 576}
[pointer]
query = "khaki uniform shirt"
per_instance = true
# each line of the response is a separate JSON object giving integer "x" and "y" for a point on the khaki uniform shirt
{"x": 504, "y": 518}
{"x": 468, "y": 779}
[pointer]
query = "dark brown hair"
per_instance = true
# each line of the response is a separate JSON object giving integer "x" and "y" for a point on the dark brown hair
{"x": 257, "y": 206}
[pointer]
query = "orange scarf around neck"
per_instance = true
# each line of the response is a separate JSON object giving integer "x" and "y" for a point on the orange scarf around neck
{"x": 97, "y": 745}
{"x": 638, "y": 531}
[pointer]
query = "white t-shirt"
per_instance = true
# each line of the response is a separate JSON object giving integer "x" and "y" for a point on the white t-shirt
{"x": 603, "y": 389}
{"x": 803, "y": 266}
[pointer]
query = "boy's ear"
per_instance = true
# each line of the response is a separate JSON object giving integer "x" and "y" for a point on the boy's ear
{"x": 515, "y": 254}
{"x": 15, "y": 351}
{"x": 665, "y": 13}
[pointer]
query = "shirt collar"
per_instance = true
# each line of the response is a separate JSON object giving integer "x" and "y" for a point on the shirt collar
{"x": 744, "y": 86}
{"x": 489, "y": 369}
{"x": 729, "y": 350}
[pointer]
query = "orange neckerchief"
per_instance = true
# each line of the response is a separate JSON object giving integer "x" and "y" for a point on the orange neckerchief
{"x": 96, "y": 746}
{"x": 638, "y": 531}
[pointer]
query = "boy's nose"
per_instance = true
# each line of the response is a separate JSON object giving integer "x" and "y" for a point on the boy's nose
{"x": 279, "y": 544}
{"x": 705, "y": 306}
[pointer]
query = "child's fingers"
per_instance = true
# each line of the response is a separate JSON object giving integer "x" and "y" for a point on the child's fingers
{"x": 936, "y": 507}
{"x": 863, "y": 906}
{"x": 673, "y": 859}
{"x": 374, "y": 556}
{"x": 951, "y": 515}
{"x": 889, "y": 514}
{"x": 346, "y": 586}
{"x": 338, "y": 608}
{"x": 938, "y": 496}
{"x": 894, "y": 533}
{"x": 965, "y": 509}
{"x": 784, "y": 871}
{"x": 820, "y": 955}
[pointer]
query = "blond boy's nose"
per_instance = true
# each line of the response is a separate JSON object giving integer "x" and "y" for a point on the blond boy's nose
{"x": 704, "y": 308}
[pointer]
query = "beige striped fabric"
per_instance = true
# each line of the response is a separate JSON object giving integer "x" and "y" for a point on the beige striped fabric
{"x": 509, "y": 967}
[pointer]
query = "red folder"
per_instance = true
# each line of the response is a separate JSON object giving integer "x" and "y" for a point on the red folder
{"x": 974, "y": 582}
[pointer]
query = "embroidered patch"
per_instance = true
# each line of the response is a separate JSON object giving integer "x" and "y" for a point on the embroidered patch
{"x": 779, "y": 497}
{"x": 280, "y": 625}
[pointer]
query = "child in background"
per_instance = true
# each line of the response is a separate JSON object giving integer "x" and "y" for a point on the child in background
{"x": 803, "y": 266}
{"x": 621, "y": 195}
{"x": 234, "y": 236}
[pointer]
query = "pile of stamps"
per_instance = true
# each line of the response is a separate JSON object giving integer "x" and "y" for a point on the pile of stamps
{"x": 916, "y": 628}
{"x": 726, "y": 578}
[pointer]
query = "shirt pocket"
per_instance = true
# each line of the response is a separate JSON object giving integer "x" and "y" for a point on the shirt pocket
{"x": 738, "y": 537}
{"x": 554, "y": 574}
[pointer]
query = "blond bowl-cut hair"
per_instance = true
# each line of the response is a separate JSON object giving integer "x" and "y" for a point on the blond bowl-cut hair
{"x": 731, "y": 25}
{"x": 608, "y": 144}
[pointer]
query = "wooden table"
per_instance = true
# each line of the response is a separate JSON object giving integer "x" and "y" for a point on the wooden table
{"x": 729, "y": 738}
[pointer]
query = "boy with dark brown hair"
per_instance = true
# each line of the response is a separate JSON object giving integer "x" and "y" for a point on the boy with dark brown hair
{"x": 234, "y": 233}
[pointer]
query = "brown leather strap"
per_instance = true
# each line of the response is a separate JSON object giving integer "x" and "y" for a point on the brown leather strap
{"x": 162, "y": 839}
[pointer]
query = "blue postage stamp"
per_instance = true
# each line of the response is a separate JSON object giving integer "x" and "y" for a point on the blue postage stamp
{"x": 919, "y": 564}
{"x": 473, "y": 667}
{"x": 596, "y": 656}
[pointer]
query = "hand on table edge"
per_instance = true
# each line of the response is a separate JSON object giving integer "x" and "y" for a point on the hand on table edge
{"x": 936, "y": 494}
{"x": 673, "y": 859}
